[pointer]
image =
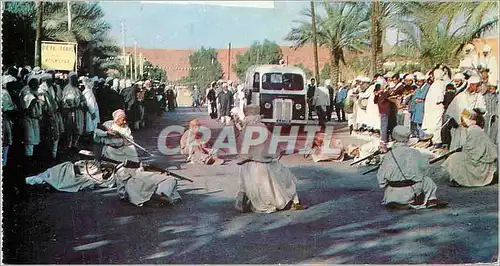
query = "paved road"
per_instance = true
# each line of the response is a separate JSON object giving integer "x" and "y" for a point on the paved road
{"x": 344, "y": 224}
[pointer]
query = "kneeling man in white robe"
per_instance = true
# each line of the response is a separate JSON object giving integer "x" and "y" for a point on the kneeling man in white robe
{"x": 476, "y": 164}
{"x": 403, "y": 175}
{"x": 265, "y": 184}
{"x": 116, "y": 147}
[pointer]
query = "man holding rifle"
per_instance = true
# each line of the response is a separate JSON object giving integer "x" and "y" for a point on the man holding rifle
{"x": 114, "y": 135}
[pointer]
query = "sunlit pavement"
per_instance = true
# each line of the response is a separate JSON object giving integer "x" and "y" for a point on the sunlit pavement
{"x": 344, "y": 224}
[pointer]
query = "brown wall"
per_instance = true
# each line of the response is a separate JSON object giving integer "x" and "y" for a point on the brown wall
{"x": 176, "y": 62}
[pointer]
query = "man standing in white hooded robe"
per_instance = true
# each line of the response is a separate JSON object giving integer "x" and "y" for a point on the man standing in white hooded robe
{"x": 268, "y": 184}
{"x": 92, "y": 113}
{"x": 32, "y": 114}
{"x": 433, "y": 107}
{"x": 468, "y": 99}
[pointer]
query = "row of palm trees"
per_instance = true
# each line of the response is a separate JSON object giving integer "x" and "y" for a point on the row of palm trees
{"x": 431, "y": 32}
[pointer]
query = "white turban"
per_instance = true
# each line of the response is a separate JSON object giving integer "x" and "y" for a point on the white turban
{"x": 410, "y": 77}
{"x": 117, "y": 114}
{"x": 469, "y": 47}
{"x": 365, "y": 79}
{"x": 486, "y": 48}
{"x": 438, "y": 74}
{"x": 459, "y": 76}
{"x": 128, "y": 83}
{"x": 6, "y": 79}
{"x": 328, "y": 82}
{"x": 116, "y": 84}
{"x": 419, "y": 76}
{"x": 474, "y": 80}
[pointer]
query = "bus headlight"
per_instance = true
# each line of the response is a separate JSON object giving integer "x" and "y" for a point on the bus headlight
{"x": 267, "y": 105}
{"x": 298, "y": 106}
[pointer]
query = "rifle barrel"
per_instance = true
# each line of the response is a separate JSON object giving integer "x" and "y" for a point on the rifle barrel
{"x": 444, "y": 156}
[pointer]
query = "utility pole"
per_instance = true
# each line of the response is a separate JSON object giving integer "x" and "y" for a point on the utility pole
{"x": 141, "y": 61}
{"x": 315, "y": 43}
{"x": 125, "y": 59}
{"x": 38, "y": 46}
{"x": 69, "y": 15}
{"x": 229, "y": 62}
{"x": 135, "y": 60}
{"x": 258, "y": 56}
{"x": 131, "y": 69}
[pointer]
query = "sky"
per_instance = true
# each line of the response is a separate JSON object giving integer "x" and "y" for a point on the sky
{"x": 177, "y": 25}
{"x": 190, "y": 26}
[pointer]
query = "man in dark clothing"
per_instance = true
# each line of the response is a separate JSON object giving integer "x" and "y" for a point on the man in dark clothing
{"x": 311, "y": 90}
{"x": 225, "y": 102}
{"x": 108, "y": 101}
{"x": 449, "y": 95}
{"x": 170, "y": 99}
{"x": 382, "y": 94}
{"x": 212, "y": 101}
{"x": 331, "y": 93}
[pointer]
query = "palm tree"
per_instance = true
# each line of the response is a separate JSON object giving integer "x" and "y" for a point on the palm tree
{"x": 88, "y": 29}
{"x": 343, "y": 28}
{"x": 385, "y": 15}
{"x": 433, "y": 38}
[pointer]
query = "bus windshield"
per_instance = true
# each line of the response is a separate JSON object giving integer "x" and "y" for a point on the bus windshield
{"x": 280, "y": 81}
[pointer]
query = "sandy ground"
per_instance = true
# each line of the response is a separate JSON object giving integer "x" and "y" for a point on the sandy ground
{"x": 344, "y": 224}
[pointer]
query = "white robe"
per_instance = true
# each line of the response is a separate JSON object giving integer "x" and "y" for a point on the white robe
{"x": 93, "y": 108}
{"x": 116, "y": 148}
{"x": 63, "y": 177}
{"x": 463, "y": 100}
{"x": 490, "y": 62}
{"x": 433, "y": 112}
{"x": 352, "y": 118}
{"x": 268, "y": 184}
{"x": 413, "y": 166}
{"x": 476, "y": 164}
{"x": 139, "y": 186}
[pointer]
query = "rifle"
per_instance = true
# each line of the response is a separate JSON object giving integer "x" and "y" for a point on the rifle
{"x": 154, "y": 168}
{"x": 102, "y": 127}
{"x": 444, "y": 156}
{"x": 132, "y": 164}
{"x": 378, "y": 152}
{"x": 371, "y": 170}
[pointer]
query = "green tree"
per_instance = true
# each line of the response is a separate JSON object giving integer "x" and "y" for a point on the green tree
{"x": 307, "y": 71}
{"x": 154, "y": 72}
{"x": 204, "y": 68}
{"x": 18, "y": 33}
{"x": 343, "y": 28}
{"x": 432, "y": 39}
{"x": 325, "y": 72}
{"x": 88, "y": 29}
{"x": 266, "y": 53}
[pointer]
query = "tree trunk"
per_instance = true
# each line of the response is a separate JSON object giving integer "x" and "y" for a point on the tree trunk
{"x": 376, "y": 39}
{"x": 39, "y": 10}
{"x": 315, "y": 44}
{"x": 335, "y": 70}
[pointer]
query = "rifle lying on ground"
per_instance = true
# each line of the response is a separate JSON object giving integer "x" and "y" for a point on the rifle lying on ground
{"x": 132, "y": 164}
{"x": 378, "y": 152}
{"x": 444, "y": 156}
{"x": 103, "y": 128}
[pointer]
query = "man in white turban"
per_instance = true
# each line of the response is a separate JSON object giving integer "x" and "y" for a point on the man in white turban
{"x": 470, "y": 60}
{"x": 489, "y": 61}
{"x": 73, "y": 105}
{"x": 469, "y": 99}
{"x": 8, "y": 114}
{"x": 115, "y": 139}
{"x": 92, "y": 110}
{"x": 403, "y": 175}
{"x": 460, "y": 82}
{"x": 434, "y": 109}
{"x": 32, "y": 110}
